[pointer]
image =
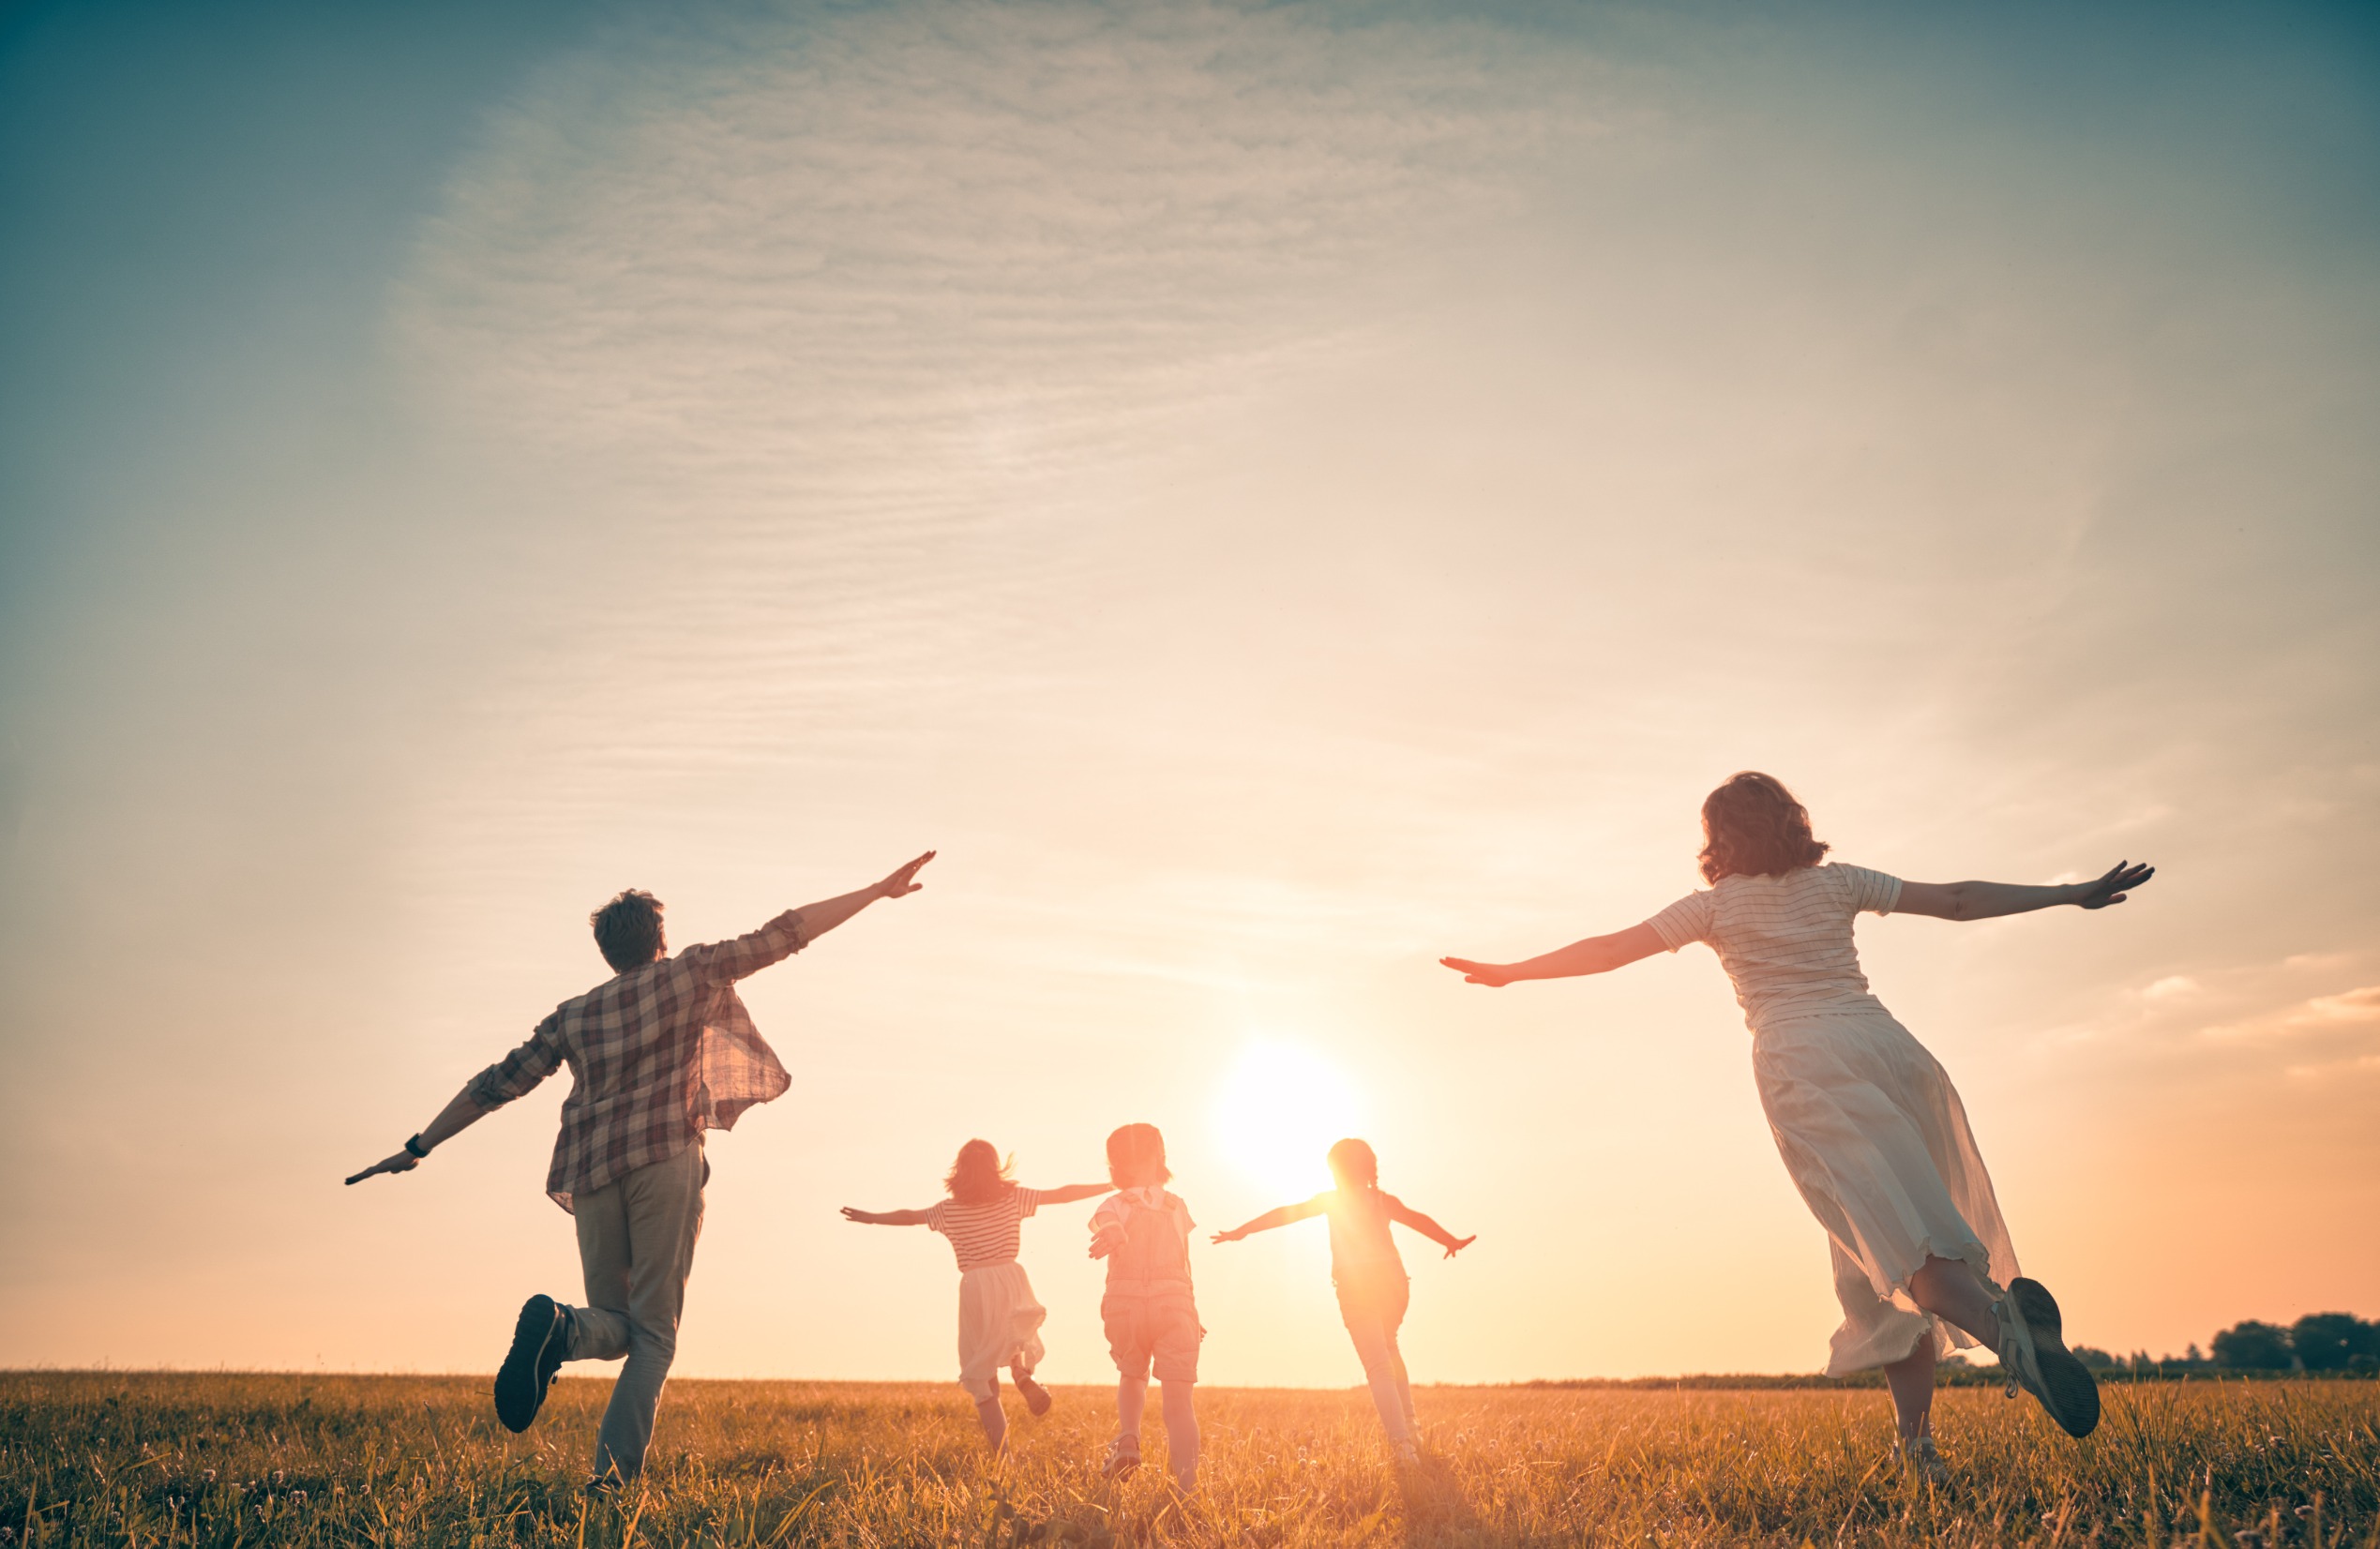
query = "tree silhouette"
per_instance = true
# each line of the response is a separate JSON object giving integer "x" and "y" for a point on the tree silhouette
{"x": 2253, "y": 1346}
{"x": 2329, "y": 1342}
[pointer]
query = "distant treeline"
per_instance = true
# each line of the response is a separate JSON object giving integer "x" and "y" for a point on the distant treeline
{"x": 2320, "y": 1343}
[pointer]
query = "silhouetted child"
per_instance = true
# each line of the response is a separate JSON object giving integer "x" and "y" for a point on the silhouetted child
{"x": 1143, "y": 1232}
{"x": 1371, "y": 1280}
{"x": 998, "y": 1320}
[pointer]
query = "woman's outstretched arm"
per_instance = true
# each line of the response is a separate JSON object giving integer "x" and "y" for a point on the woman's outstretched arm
{"x": 1989, "y": 900}
{"x": 1399, "y": 1211}
{"x": 1595, "y": 955}
{"x": 1270, "y": 1219}
{"x": 1073, "y": 1191}
{"x": 886, "y": 1218}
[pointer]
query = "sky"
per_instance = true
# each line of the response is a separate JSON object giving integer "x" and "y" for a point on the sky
{"x": 1274, "y": 494}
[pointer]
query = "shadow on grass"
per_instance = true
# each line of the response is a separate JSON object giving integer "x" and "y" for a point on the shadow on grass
{"x": 1435, "y": 1509}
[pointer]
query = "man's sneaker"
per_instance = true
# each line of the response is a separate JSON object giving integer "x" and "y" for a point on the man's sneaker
{"x": 539, "y": 1341}
{"x": 1123, "y": 1456}
{"x": 2034, "y": 1354}
{"x": 1036, "y": 1396}
{"x": 1920, "y": 1460}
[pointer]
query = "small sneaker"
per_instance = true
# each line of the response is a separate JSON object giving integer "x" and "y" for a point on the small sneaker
{"x": 1036, "y": 1396}
{"x": 2034, "y": 1355}
{"x": 1919, "y": 1459}
{"x": 538, "y": 1342}
{"x": 1123, "y": 1456}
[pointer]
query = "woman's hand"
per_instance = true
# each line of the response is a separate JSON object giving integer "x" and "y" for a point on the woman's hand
{"x": 903, "y": 882}
{"x": 1458, "y": 1245}
{"x": 2122, "y": 878}
{"x": 1494, "y": 975}
{"x": 401, "y": 1162}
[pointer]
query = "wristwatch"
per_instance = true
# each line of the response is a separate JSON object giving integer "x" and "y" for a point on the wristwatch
{"x": 414, "y": 1149}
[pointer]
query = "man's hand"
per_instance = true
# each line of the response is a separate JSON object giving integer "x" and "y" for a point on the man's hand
{"x": 401, "y": 1162}
{"x": 901, "y": 884}
{"x": 1494, "y": 975}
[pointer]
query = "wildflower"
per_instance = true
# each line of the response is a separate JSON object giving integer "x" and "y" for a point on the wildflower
{"x": 278, "y": 1476}
{"x": 208, "y": 1475}
{"x": 298, "y": 1496}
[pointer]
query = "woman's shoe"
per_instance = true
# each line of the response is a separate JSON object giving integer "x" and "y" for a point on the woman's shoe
{"x": 2034, "y": 1354}
{"x": 1919, "y": 1459}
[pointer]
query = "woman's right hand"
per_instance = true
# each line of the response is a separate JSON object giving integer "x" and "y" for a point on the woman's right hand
{"x": 1494, "y": 975}
{"x": 2122, "y": 878}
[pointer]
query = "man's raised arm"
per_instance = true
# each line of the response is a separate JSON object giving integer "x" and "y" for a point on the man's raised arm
{"x": 726, "y": 961}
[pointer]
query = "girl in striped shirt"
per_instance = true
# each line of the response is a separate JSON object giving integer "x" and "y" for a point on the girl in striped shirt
{"x": 998, "y": 1320}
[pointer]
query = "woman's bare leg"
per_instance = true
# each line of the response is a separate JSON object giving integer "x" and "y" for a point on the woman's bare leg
{"x": 1952, "y": 1290}
{"x": 1911, "y": 1379}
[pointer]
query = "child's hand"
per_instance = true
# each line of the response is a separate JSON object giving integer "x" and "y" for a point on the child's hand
{"x": 1455, "y": 1247}
{"x": 1107, "y": 1242}
{"x": 865, "y": 1218}
{"x": 1494, "y": 975}
{"x": 1232, "y": 1236}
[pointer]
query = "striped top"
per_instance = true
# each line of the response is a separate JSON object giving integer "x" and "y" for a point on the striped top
{"x": 985, "y": 1234}
{"x": 1786, "y": 940}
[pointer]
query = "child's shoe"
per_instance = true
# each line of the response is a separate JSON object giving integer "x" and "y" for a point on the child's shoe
{"x": 1407, "y": 1454}
{"x": 1036, "y": 1396}
{"x": 1123, "y": 1456}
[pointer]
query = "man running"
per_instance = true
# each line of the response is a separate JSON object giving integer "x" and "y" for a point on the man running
{"x": 661, "y": 1052}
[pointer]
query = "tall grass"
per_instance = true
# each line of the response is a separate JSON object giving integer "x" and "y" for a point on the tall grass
{"x": 416, "y": 1462}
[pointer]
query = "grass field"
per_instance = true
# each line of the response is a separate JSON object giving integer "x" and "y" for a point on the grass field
{"x": 416, "y": 1462}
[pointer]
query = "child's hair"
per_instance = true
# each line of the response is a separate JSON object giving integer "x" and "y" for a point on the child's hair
{"x": 1352, "y": 1161}
{"x": 1137, "y": 1156}
{"x": 980, "y": 1175}
{"x": 1751, "y": 826}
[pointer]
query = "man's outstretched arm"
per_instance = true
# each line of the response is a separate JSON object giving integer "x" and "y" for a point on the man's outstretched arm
{"x": 723, "y": 962}
{"x": 490, "y": 1090}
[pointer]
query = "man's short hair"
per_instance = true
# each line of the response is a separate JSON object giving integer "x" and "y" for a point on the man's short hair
{"x": 629, "y": 930}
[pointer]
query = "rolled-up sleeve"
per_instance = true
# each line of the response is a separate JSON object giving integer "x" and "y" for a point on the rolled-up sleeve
{"x": 518, "y": 1072}
{"x": 724, "y": 962}
{"x": 1687, "y": 920}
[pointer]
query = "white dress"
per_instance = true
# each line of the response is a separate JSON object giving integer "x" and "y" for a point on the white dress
{"x": 999, "y": 1318}
{"x": 1869, "y": 1125}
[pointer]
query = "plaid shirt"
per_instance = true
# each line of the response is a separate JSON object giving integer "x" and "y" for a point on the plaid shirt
{"x": 657, "y": 1055}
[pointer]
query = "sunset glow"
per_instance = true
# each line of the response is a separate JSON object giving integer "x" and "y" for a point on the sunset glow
{"x": 1273, "y": 495}
{"x": 1280, "y": 1108}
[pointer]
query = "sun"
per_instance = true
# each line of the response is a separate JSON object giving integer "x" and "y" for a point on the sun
{"x": 1279, "y": 1108}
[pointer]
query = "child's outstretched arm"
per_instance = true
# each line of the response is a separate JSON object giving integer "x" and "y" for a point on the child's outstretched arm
{"x": 1595, "y": 955}
{"x": 886, "y": 1218}
{"x": 1270, "y": 1219}
{"x": 1073, "y": 1191}
{"x": 1399, "y": 1211}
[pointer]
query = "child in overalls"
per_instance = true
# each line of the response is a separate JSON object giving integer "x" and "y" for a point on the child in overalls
{"x": 1152, "y": 1318}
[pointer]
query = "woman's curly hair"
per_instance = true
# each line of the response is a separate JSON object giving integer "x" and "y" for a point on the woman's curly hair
{"x": 1752, "y": 827}
{"x": 980, "y": 1175}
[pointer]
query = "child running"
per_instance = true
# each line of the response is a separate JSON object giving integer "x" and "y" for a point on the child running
{"x": 1370, "y": 1276}
{"x": 1143, "y": 1232}
{"x": 998, "y": 1320}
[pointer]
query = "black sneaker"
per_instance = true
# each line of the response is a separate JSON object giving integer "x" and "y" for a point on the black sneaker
{"x": 2034, "y": 1354}
{"x": 539, "y": 1340}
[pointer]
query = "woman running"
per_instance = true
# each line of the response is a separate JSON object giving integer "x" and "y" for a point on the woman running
{"x": 1867, "y": 1121}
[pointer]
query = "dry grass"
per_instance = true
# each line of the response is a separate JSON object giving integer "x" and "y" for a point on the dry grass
{"x": 223, "y": 1460}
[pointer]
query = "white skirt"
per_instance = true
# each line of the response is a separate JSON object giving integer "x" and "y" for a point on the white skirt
{"x": 999, "y": 1324}
{"x": 1876, "y": 1140}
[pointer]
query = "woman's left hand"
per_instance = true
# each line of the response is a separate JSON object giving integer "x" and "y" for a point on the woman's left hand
{"x": 1455, "y": 1247}
{"x": 2122, "y": 878}
{"x": 1494, "y": 975}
